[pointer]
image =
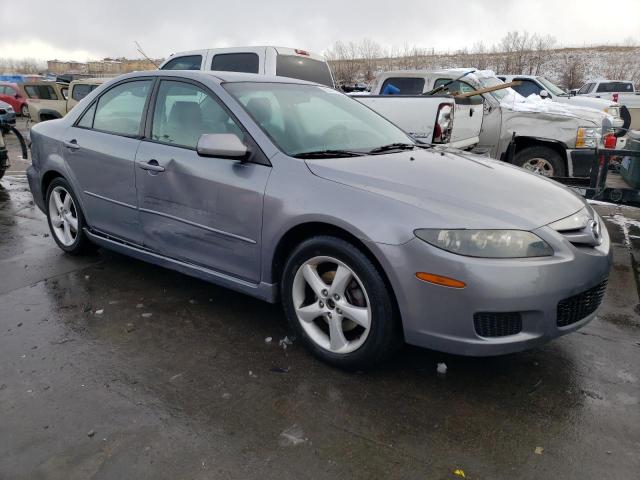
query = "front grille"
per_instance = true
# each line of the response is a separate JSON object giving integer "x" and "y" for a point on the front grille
{"x": 497, "y": 324}
{"x": 577, "y": 307}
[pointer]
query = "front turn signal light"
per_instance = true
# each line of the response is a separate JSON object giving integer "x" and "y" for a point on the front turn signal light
{"x": 440, "y": 280}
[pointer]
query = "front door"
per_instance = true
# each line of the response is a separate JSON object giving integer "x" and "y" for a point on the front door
{"x": 202, "y": 210}
{"x": 100, "y": 148}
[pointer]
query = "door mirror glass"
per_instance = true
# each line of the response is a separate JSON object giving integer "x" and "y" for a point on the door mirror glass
{"x": 544, "y": 94}
{"x": 222, "y": 145}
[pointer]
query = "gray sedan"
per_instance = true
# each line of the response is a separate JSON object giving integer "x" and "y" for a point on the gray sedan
{"x": 293, "y": 192}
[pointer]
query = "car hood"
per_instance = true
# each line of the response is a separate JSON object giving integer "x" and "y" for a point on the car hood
{"x": 454, "y": 189}
{"x": 575, "y": 100}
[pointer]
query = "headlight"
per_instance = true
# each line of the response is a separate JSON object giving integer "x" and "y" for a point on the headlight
{"x": 587, "y": 137}
{"x": 9, "y": 109}
{"x": 487, "y": 243}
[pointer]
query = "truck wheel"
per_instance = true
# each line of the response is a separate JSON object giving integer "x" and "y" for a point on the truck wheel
{"x": 338, "y": 304}
{"x": 65, "y": 218}
{"x": 24, "y": 111}
{"x": 541, "y": 160}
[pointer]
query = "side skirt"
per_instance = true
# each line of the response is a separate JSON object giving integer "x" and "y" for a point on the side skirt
{"x": 264, "y": 291}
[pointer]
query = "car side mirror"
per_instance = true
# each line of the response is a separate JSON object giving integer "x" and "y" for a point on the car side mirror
{"x": 544, "y": 94}
{"x": 222, "y": 145}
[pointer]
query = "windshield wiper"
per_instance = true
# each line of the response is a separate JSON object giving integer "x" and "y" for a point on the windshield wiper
{"x": 328, "y": 154}
{"x": 393, "y": 146}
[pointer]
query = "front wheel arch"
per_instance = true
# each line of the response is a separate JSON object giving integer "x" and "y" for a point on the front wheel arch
{"x": 301, "y": 232}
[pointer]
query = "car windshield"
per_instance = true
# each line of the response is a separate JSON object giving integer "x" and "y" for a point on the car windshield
{"x": 551, "y": 88}
{"x": 308, "y": 119}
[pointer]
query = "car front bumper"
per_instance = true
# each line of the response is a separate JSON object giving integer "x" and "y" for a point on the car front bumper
{"x": 442, "y": 318}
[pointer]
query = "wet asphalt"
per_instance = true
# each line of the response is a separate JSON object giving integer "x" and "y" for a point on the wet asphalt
{"x": 114, "y": 369}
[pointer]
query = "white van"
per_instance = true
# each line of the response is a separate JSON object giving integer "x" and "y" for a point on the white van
{"x": 281, "y": 61}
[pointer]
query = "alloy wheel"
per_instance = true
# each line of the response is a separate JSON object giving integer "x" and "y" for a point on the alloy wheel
{"x": 63, "y": 215}
{"x": 540, "y": 166}
{"x": 331, "y": 304}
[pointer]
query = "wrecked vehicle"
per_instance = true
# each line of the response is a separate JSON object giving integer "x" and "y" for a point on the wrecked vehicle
{"x": 545, "y": 88}
{"x": 441, "y": 119}
{"x": 291, "y": 191}
{"x": 50, "y": 100}
{"x": 550, "y": 139}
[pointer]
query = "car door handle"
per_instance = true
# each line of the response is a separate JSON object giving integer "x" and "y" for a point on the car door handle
{"x": 72, "y": 144}
{"x": 151, "y": 165}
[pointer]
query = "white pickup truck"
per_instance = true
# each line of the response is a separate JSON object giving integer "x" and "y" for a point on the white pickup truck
{"x": 440, "y": 119}
{"x": 620, "y": 91}
{"x": 545, "y": 137}
{"x": 546, "y": 89}
{"x": 266, "y": 60}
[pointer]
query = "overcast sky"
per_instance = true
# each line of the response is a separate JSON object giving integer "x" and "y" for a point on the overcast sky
{"x": 85, "y": 29}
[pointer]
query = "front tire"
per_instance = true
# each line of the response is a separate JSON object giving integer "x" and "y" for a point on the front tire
{"x": 542, "y": 160}
{"x": 24, "y": 110}
{"x": 65, "y": 218}
{"x": 338, "y": 304}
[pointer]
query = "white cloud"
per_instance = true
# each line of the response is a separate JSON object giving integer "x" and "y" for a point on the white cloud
{"x": 42, "y": 51}
{"x": 95, "y": 28}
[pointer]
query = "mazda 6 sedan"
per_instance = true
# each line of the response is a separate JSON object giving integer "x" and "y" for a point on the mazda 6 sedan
{"x": 293, "y": 192}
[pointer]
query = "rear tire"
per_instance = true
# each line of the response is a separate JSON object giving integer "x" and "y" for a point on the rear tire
{"x": 347, "y": 318}
{"x": 541, "y": 160}
{"x": 65, "y": 218}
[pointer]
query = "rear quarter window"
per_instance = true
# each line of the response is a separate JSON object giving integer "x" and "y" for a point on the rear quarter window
{"x": 189, "y": 62}
{"x": 402, "y": 86}
{"x": 236, "y": 62}
{"x": 304, "y": 68}
{"x": 609, "y": 87}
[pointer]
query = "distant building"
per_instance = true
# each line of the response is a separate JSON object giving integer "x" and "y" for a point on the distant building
{"x": 58, "y": 67}
{"x": 99, "y": 68}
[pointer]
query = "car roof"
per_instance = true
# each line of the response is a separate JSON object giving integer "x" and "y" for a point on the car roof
{"x": 219, "y": 77}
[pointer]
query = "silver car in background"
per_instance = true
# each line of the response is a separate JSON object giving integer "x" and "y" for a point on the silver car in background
{"x": 291, "y": 191}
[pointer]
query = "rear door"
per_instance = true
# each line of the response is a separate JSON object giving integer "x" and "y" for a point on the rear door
{"x": 100, "y": 150}
{"x": 201, "y": 210}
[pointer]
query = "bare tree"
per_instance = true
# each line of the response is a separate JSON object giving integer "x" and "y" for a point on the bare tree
{"x": 572, "y": 72}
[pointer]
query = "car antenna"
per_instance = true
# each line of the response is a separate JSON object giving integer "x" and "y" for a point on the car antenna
{"x": 139, "y": 48}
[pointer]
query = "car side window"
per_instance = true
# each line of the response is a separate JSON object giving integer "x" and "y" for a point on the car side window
{"x": 119, "y": 110}
{"x": 189, "y": 62}
{"x": 527, "y": 87}
{"x": 402, "y": 86}
{"x": 80, "y": 91}
{"x": 457, "y": 86}
{"x": 236, "y": 62}
{"x": 86, "y": 121}
{"x": 586, "y": 88}
{"x": 2, "y": 89}
{"x": 42, "y": 92}
{"x": 183, "y": 112}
